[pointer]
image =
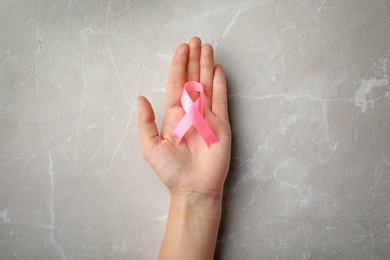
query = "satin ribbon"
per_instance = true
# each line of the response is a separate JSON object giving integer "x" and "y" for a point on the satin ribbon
{"x": 193, "y": 115}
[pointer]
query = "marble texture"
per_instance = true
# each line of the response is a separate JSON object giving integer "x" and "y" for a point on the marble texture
{"x": 309, "y": 103}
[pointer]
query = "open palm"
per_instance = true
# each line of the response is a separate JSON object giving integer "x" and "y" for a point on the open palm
{"x": 190, "y": 166}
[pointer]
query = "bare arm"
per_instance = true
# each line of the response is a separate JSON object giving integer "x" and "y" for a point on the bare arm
{"x": 193, "y": 173}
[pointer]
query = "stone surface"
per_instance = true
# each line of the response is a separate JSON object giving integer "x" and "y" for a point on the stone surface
{"x": 309, "y": 103}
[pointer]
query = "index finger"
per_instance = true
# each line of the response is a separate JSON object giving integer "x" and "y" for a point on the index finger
{"x": 177, "y": 76}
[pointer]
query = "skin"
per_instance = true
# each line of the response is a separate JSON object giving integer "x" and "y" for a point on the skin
{"x": 193, "y": 172}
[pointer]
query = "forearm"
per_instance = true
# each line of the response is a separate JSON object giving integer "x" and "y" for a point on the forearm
{"x": 192, "y": 227}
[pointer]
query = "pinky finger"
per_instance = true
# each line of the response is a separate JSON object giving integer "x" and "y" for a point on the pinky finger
{"x": 220, "y": 100}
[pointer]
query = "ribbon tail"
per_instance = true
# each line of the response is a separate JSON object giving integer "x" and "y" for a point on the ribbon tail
{"x": 205, "y": 131}
{"x": 201, "y": 125}
{"x": 181, "y": 128}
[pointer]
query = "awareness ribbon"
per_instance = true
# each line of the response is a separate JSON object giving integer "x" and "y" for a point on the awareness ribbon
{"x": 193, "y": 115}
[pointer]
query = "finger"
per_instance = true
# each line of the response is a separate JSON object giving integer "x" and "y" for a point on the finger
{"x": 146, "y": 123}
{"x": 220, "y": 101}
{"x": 193, "y": 67}
{"x": 177, "y": 76}
{"x": 207, "y": 72}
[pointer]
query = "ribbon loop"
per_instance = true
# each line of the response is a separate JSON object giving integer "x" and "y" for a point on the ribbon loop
{"x": 193, "y": 115}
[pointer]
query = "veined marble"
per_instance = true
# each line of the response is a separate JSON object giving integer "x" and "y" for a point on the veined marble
{"x": 309, "y": 98}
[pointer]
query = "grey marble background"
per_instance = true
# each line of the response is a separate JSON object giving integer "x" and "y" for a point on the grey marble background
{"x": 309, "y": 100}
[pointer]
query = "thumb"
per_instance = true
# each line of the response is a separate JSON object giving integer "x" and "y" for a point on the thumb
{"x": 146, "y": 124}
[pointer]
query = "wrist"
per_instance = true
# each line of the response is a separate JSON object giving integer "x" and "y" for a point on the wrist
{"x": 196, "y": 204}
{"x": 196, "y": 199}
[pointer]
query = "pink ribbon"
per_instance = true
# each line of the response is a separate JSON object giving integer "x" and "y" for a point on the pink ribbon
{"x": 193, "y": 116}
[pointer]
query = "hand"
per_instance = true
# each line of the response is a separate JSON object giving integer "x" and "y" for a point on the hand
{"x": 190, "y": 167}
